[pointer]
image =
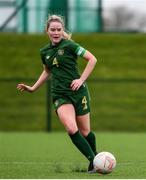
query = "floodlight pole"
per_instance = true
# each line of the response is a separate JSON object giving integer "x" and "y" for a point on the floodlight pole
{"x": 25, "y": 18}
{"x": 100, "y": 20}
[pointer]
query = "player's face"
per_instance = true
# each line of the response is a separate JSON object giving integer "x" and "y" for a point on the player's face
{"x": 55, "y": 32}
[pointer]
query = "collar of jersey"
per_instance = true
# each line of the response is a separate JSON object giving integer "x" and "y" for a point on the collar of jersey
{"x": 56, "y": 45}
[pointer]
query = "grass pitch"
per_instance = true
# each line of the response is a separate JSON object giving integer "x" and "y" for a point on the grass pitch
{"x": 52, "y": 155}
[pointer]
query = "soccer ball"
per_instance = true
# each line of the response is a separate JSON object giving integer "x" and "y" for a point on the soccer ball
{"x": 104, "y": 162}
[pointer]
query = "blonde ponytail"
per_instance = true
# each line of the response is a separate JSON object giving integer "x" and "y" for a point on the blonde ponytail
{"x": 66, "y": 35}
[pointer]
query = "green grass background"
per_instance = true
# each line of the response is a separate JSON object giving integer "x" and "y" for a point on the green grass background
{"x": 118, "y": 55}
{"x": 117, "y": 85}
{"x": 52, "y": 155}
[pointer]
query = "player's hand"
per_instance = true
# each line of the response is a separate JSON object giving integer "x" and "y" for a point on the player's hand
{"x": 76, "y": 84}
{"x": 23, "y": 87}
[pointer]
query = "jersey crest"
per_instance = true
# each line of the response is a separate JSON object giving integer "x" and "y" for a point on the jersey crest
{"x": 60, "y": 52}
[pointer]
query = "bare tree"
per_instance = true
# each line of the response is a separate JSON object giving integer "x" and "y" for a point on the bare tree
{"x": 141, "y": 19}
{"x": 123, "y": 19}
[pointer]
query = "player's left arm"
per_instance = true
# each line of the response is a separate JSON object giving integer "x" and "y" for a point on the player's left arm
{"x": 77, "y": 83}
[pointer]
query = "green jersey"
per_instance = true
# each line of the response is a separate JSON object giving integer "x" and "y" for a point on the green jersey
{"x": 61, "y": 60}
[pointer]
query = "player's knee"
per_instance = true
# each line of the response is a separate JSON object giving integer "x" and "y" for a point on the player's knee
{"x": 71, "y": 130}
{"x": 85, "y": 132}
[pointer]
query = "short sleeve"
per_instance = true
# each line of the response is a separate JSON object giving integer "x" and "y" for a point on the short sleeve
{"x": 77, "y": 49}
{"x": 42, "y": 57}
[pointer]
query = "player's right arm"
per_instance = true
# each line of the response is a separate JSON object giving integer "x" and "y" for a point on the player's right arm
{"x": 43, "y": 77}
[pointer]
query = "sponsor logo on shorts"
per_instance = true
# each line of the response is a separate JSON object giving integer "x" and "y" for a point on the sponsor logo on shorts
{"x": 56, "y": 103}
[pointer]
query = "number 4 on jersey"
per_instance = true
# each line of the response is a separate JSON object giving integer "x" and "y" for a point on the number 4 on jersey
{"x": 55, "y": 62}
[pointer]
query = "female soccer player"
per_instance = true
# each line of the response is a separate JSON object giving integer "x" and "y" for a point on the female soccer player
{"x": 69, "y": 91}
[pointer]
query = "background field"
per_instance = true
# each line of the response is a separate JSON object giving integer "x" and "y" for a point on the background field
{"x": 52, "y": 155}
{"x": 117, "y": 85}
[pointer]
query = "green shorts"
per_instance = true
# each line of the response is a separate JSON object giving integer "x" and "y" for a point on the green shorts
{"x": 79, "y": 101}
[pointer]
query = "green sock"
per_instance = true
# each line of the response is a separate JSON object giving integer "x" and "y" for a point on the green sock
{"x": 92, "y": 141}
{"x": 83, "y": 146}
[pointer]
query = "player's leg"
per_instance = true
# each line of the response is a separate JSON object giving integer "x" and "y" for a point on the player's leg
{"x": 83, "y": 123}
{"x": 66, "y": 113}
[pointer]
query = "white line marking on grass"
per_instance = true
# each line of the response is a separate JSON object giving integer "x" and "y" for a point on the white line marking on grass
{"x": 37, "y": 163}
{"x": 129, "y": 163}
{"x": 57, "y": 163}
